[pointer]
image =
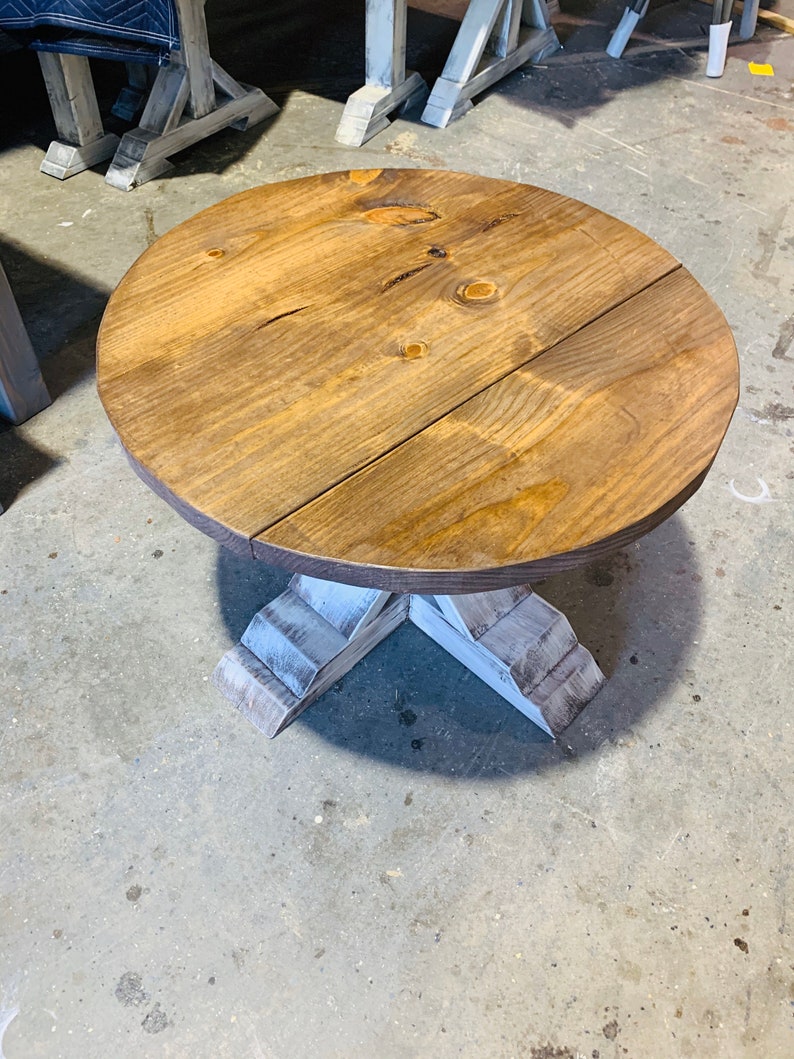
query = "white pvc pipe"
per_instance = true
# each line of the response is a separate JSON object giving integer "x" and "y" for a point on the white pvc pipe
{"x": 620, "y": 37}
{"x": 718, "y": 48}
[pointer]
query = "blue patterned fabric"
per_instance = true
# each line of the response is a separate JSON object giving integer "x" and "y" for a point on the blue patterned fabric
{"x": 152, "y": 22}
{"x": 73, "y": 43}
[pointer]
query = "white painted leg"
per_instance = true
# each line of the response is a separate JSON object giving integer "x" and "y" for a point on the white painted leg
{"x": 296, "y": 647}
{"x": 191, "y": 98}
{"x": 749, "y": 19}
{"x": 527, "y": 651}
{"x": 718, "y": 48}
{"x": 467, "y": 73}
{"x": 166, "y": 128}
{"x": 132, "y": 97}
{"x": 82, "y": 141}
{"x": 389, "y": 86}
{"x": 628, "y": 23}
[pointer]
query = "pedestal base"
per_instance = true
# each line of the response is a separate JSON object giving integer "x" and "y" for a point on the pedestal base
{"x": 296, "y": 647}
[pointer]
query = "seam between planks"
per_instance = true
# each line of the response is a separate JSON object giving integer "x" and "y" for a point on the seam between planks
{"x": 470, "y": 397}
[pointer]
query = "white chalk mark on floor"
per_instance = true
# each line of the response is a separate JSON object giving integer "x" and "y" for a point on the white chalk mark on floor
{"x": 764, "y": 497}
{"x": 7, "y": 1016}
{"x": 614, "y": 139}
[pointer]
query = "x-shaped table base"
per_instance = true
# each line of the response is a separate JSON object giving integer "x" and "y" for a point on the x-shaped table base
{"x": 296, "y": 647}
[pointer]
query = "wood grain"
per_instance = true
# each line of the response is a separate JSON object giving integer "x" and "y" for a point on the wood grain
{"x": 597, "y": 435}
{"x": 416, "y": 380}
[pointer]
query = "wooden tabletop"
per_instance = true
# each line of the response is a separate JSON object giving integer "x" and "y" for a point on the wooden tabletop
{"x": 418, "y": 380}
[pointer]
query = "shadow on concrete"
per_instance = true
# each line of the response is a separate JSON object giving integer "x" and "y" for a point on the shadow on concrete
{"x": 21, "y": 463}
{"x": 410, "y": 705}
{"x": 61, "y": 313}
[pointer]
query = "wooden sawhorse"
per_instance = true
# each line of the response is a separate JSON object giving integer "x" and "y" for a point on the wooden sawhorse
{"x": 192, "y": 97}
{"x": 495, "y": 37}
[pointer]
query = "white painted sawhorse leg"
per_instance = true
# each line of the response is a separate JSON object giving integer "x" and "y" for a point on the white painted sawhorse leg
{"x": 296, "y": 647}
{"x": 82, "y": 140}
{"x": 495, "y": 38}
{"x": 389, "y": 86}
{"x": 719, "y": 30}
{"x": 513, "y": 31}
{"x": 191, "y": 98}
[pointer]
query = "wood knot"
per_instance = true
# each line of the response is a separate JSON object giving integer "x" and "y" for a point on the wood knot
{"x": 414, "y": 350}
{"x": 364, "y": 176}
{"x": 479, "y": 291}
{"x": 401, "y": 214}
{"x": 437, "y": 251}
{"x": 215, "y": 252}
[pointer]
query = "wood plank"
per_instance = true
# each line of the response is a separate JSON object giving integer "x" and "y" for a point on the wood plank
{"x": 70, "y": 88}
{"x": 450, "y": 98}
{"x": 473, "y": 614}
{"x": 586, "y": 447}
{"x": 167, "y": 99}
{"x": 143, "y": 153}
{"x": 303, "y": 309}
{"x": 293, "y": 640}
{"x": 385, "y": 42}
{"x": 346, "y": 608}
{"x": 195, "y": 53}
{"x": 473, "y": 35}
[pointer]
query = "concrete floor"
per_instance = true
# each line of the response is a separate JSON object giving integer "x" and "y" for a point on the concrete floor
{"x": 412, "y": 869}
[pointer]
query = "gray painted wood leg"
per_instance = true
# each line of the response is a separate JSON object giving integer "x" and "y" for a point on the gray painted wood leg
{"x": 82, "y": 141}
{"x": 389, "y": 86}
{"x": 166, "y": 127}
{"x": 520, "y": 645}
{"x": 296, "y": 647}
{"x": 132, "y": 97}
{"x": 494, "y": 26}
{"x": 191, "y": 98}
{"x": 22, "y": 389}
{"x": 632, "y": 13}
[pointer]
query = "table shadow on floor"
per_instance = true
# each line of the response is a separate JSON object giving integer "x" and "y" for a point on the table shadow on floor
{"x": 61, "y": 313}
{"x": 411, "y": 705}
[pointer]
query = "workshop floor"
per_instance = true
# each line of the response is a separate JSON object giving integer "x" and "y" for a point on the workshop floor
{"x": 412, "y": 869}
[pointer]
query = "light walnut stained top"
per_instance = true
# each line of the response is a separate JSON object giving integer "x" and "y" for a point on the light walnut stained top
{"x": 425, "y": 381}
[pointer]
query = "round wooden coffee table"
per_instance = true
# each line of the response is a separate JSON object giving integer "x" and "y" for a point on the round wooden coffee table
{"x": 418, "y": 391}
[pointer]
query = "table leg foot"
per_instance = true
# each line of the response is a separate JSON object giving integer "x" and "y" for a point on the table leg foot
{"x": 167, "y": 126}
{"x": 64, "y": 160}
{"x": 296, "y": 647}
{"x": 367, "y": 111}
{"x": 520, "y": 645}
{"x": 468, "y": 72}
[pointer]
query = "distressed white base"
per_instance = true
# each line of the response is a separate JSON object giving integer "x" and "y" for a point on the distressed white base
{"x": 296, "y": 647}
{"x": 718, "y": 48}
{"x": 451, "y": 99}
{"x": 143, "y": 153}
{"x": 367, "y": 111}
{"x": 64, "y": 160}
